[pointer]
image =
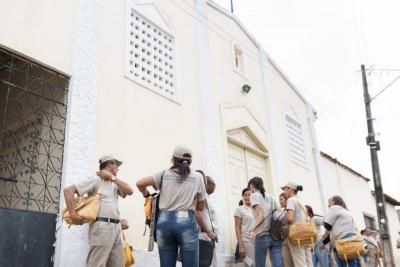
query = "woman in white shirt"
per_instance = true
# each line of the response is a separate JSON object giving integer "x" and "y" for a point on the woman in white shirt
{"x": 339, "y": 225}
{"x": 300, "y": 255}
{"x": 244, "y": 223}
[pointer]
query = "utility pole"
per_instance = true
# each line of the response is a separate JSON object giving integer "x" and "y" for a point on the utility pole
{"x": 231, "y": 6}
{"x": 388, "y": 260}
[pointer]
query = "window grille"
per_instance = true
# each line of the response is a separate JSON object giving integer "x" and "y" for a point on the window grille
{"x": 150, "y": 61}
{"x": 296, "y": 141}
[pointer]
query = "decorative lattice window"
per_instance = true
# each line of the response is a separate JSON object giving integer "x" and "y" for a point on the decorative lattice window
{"x": 296, "y": 141}
{"x": 150, "y": 59}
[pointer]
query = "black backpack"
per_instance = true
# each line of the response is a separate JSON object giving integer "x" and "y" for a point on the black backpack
{"x": 278, "y": 227}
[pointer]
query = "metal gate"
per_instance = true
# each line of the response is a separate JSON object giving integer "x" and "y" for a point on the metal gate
{"x": 33, "y": 108}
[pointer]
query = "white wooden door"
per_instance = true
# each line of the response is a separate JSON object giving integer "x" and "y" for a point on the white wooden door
{"x": 242, "y": 166}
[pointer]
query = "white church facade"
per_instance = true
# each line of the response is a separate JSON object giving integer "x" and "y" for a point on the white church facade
{"x": 133, "y": 78}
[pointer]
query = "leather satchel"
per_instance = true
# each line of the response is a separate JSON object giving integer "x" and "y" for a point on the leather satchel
{"x": 206, "y": 252}
{"x": 303, "y": 233}
{"x": 206, "y": 247}
{"x": 350, "y": 248}
{"x": 86, "y": 207}
{"x": 128, "y": 253}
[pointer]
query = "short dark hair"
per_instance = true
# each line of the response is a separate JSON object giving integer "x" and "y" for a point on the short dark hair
{"x": 245, "y": 190}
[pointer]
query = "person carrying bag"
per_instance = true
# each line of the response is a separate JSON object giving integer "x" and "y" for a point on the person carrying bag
{"x": 206, "y": 247}
{"x": 302, "y": 233}
{"x": 339, "y": 224}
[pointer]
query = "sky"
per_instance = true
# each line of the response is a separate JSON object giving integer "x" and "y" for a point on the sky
{"x": 320, "y": 45}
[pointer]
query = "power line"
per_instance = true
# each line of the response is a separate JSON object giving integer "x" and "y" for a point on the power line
{"x": 386, "y": 87}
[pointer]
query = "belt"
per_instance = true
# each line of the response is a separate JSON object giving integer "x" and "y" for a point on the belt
{"x": 102, "y": 219}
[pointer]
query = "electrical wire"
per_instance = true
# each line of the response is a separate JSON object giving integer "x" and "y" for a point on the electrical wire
{"x": 386, "y": 87}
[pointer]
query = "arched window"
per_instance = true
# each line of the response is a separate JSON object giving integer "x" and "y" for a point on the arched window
{"x": 238, "y": 59}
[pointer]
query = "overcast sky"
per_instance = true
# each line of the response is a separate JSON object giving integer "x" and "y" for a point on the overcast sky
{"x": 320, "y": 45}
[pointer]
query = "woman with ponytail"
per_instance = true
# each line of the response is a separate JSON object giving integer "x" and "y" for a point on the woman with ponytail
{"x": 295, "y": 256}
{"x": 182, "y": 192}
{"x": 263, "y": 205}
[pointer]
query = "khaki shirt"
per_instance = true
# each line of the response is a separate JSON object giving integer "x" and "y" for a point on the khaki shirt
{"x": 341, "y": 221}
{"x": 109, "y": 195}
{"x": 294, "y": 204}
{"x": 248, "y": 222}
{"x": 177, "y": 195}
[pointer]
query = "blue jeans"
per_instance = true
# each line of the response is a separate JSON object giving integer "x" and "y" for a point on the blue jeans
{"x": 262, "y": 245}
{"x": 320, "y": 256}
{"x": 176, "y": 230}
{"x": 350, "y": 263}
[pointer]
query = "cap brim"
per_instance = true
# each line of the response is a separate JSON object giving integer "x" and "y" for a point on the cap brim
{"x": 283, "y": 187}
{"x": 119, "y": 163}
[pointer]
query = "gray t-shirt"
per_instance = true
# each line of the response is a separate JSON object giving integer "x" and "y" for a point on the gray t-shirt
{"x": 299, "y": 211}
{"x": 246, "y": 214}
{"x": 341, "y": 221}
{"x": 268, "y": 204}
{"x": 109, "y": 195}
{"x": 179, "y": 195}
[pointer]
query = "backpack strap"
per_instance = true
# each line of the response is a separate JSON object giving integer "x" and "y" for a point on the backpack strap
{"x": 209, "y": 215}
{"x": 302, "y": 207}
{"x": 161, "y": 182}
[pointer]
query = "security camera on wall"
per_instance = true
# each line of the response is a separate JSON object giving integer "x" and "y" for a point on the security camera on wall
{"x": 246, "y": 88}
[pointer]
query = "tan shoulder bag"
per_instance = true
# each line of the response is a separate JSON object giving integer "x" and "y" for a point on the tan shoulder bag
{"x": 86, "y": 207}
{"x": 352, "y": 247}
{"x": 128, "y": 253}
{"x": 303, "y": 233}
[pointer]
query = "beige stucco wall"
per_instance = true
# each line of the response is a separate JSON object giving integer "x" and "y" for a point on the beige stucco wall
{"x": 287, "y": 101}
{"x": 42, "y": 30}
{"x": 136, "y": 124}
{"x": 142, "y": 127}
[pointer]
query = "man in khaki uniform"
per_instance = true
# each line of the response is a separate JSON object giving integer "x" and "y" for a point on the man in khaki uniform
{"x": 106, "y": 247}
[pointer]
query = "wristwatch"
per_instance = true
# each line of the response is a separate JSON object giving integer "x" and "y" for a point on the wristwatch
{"x": 113, "y": 178}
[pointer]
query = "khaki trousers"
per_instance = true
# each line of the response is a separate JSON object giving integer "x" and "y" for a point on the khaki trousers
{"x": 249, "y": 250}
{"x": 106, "y": 245}
{"x": 286, "y": 256}
{"x": 295, "y": 256}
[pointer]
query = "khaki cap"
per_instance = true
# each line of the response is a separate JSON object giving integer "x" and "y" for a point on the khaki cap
{"x": 109, "y": 158}
{"x": 182, "y": 152}
{"x": 290, "y": 185}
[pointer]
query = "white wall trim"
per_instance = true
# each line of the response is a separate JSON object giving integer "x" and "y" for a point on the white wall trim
{"x": 275, "y": 152}
{"x": 212, "y": 146}
{"x": 317, "y": 158}
{"x": 80, "y": 135}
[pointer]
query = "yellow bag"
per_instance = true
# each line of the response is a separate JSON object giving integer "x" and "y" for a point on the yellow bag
{"x": 350, "y": 248}
{"x": 86, "y": 207}
{"x": 303, "y": 233}
{"x": 128, "y": 255}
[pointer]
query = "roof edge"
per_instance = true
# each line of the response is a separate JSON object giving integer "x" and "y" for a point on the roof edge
{"x": 259, "y": 46}
{"x": 336, "y": 161}
{"x": 389, "y": 199}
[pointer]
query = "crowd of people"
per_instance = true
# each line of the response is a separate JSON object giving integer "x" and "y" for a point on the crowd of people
{"x": 253, "y": 230}
{"x": 187, "y": 228}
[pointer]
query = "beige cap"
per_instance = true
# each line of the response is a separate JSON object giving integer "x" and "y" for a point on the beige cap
{"x": 109, "y": 158}
{"x": 182, "y": 152}
{"x": 290, "y": 185}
